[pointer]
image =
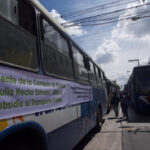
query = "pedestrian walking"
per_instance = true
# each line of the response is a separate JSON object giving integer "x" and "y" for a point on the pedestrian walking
{"x": 115, "y": 103}
{"x": 124, "y": 105}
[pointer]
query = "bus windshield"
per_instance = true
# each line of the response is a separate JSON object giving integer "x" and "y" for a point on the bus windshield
{"x": 142, "y": 80}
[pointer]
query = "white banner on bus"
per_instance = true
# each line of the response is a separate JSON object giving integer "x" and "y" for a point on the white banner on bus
{"x": 23, "y": 93}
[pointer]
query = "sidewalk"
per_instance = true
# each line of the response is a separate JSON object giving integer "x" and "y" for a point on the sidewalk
{"x": 117, "y": 134}
{"x": 136, "y": 132}
{"x": 110, "y": 136}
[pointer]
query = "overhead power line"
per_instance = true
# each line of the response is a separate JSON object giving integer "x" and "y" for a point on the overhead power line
{"x": 113, "y": 17}
{"x": 114, "y": 21}
{"x": 93, "y": 9}
{"x": 104, "y": 14}
{"x": 87, "y": 19}
{"x": 102, "y": 32}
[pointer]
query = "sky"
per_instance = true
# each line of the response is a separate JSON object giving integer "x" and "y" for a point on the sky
{"x": 110, "y": 45}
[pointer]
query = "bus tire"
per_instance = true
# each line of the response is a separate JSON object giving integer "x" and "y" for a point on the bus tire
{"x": 23, "y": 140}
{"x": 17, "y": 144}
{"x": 99, "y": 119}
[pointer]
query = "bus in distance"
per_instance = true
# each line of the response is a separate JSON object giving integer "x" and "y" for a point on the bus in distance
{"x": 138, "y": 88}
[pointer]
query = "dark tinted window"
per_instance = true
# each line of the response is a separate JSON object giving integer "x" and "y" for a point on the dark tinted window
{"x": 9, "y": 10}
{"x": 78, "y": 56}
{"x": 99, "y": 80}
{"x": 92, "y": 67}
{"x": 96, "y": 70}
{"x": 79, "y": 63}
{"x": 56, "y": 58}
{"x": 18, "y": 45}
{"x": 142, "y": 70}
{"x": 54, "y": 39}
{"x": 92, "y": 74}
{"x": 103, "y": 79}
{"x": 26, "y": 16}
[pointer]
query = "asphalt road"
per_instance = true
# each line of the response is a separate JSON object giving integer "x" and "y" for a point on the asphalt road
{"x": 136, "y": 132}
{"x": 118, "y": 134}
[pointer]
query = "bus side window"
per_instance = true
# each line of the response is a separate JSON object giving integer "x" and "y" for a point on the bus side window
{"x": 92, "y": 74}
{"x": 9, "y": 10}
{"x": 17, "y": 27}
{"x": 98, "y": 77}
{"x": 26, "y": 17}
{"x": 79, "y": 63}
{"x": 56, "y": 58}
{"x": 19, "y": 13}
{"x": 99, "y": 73}
{"x": 86, "y": 63}
{"x": 103, "y": 79}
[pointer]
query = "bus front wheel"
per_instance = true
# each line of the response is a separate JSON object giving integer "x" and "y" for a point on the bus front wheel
{"x": 99, "y": 119}
{"x": 17, "y": 144}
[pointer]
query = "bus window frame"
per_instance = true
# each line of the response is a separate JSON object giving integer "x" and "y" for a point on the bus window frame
{"x": 86, "y": 62}
{"x": 41, "y": 16}
{"x": 99, "y": 80}
{"x": 80, "y": 53}
{"x": 92, "y": 65}
{"x": 28, "y": 33}
{"x": 74, "y": 62}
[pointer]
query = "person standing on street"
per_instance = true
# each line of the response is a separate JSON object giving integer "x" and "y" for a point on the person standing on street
{"x": 124, "y": 105}
{"x": 115, "y": 102}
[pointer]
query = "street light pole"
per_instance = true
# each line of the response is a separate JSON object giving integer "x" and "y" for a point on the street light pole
{"x": 135, "y": 18}
{"x": 135, "y": 60}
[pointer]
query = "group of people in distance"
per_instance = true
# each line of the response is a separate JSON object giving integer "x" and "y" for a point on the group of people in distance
{"x": 123, "y": 100}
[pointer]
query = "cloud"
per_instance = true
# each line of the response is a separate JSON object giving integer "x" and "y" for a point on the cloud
{"x": 73, "y": 31}
{"x": 107, "y": 52}
{"x": 134, "y": 29}
{"x": 145, "y": 61}
{"x": 120, "y": 77}
{"x": 127, "y": 40}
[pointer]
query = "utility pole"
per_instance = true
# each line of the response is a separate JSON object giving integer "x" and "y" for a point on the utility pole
{"x": 135, "y": 60}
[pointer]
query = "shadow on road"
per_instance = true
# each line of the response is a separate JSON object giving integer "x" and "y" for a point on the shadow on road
{"x": 88, "y": 138}
{"x": 111, "y": 118}
{"x": 135, "y": 117}
{"x": 120, "y": 120}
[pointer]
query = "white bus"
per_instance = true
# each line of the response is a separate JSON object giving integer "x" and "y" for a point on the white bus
{"x": 51, "y": 92}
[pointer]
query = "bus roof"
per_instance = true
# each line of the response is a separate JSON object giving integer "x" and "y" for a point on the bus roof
{"x": 141, "y": 68}
{"x": 144, "y": 66}
{"x": 137, "y": 70}
{"x": 40, "y": 7}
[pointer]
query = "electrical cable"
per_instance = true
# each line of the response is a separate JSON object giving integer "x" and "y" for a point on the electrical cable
{"x": 104, "y": 31}
{"x": 92, "y": 9}
{"x": 91, "y": 17}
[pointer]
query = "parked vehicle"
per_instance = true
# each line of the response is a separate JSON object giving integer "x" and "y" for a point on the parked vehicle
{"x": 138, "y": 88}
{"x": 51, "y": 92}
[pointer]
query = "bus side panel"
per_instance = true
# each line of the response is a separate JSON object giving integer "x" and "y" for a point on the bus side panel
{"x": 87, "y": 119}
{"x": 99, "y": 94}
{"x": 89, "y": 110}
{"x": 66, "y": 137}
